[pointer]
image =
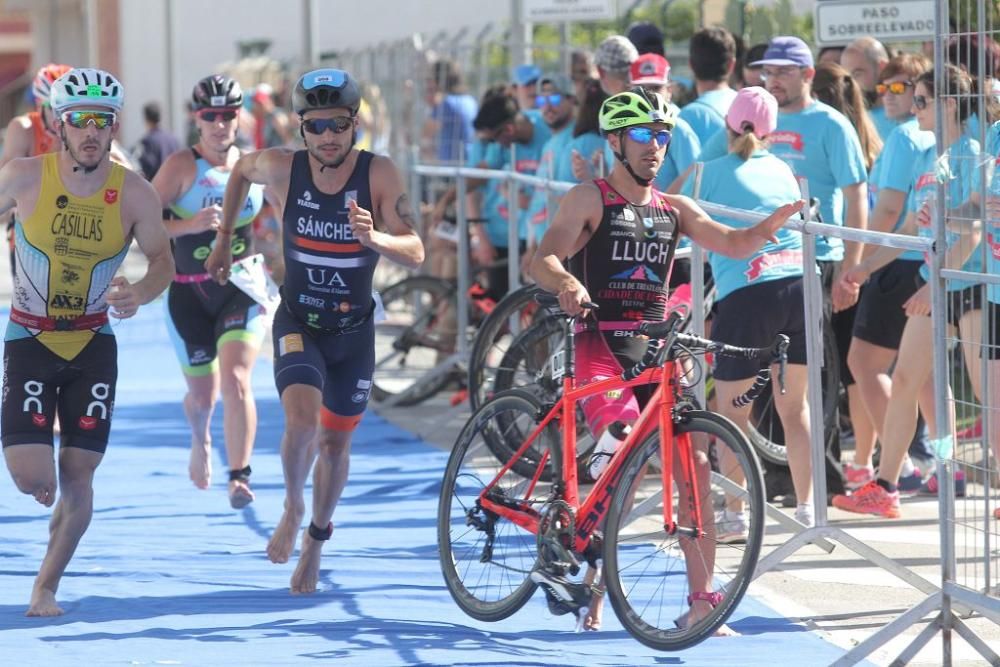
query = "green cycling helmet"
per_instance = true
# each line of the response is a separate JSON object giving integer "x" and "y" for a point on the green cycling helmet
{"x": 634, "y": 107}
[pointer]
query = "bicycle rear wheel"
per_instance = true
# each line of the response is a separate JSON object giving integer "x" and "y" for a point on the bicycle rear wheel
{"x": 648, "y": 572}
{"x": 418, "y": 333}
{"x": 494, "y": 338}
{"x": 486, "y": 559}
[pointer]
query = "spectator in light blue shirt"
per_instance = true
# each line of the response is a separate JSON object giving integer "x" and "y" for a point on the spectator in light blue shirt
{"x": 712, "y": 53}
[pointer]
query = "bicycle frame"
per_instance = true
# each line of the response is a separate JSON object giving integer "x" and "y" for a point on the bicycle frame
{"x": 658, "y": 411}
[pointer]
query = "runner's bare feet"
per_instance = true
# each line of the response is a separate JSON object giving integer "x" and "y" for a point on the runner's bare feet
{"x": 592, "y": 621}
{"x": 282, "y": 542}
{"x": 200, "y": 465}
{"x": 240, "y": 494}
{"x": 306, "y": 574}
{"x": 46, "y": 495}
{"x": 699, "y": 610}
{"x": 43, "y": 603}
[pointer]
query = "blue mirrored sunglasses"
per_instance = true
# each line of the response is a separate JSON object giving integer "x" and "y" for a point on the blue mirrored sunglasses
{"x": 553, "y": 99}
{"x": 644, "y": 135}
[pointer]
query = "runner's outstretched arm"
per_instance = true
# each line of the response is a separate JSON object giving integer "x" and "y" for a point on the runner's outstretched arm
{"x": 725, "y": 240}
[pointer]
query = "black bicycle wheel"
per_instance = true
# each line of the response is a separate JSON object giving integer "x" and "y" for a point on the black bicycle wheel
{"x": 764, "y": 428}
{"x": 418, "y": 333}
{"x": 486, "y": 559}
{"x": 528, "y": 364}
{"x": 494, "y": 337}
{"x": 648, "y": 572}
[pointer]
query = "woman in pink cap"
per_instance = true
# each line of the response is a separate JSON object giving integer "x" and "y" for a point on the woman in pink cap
{"x": 759, "y": 296}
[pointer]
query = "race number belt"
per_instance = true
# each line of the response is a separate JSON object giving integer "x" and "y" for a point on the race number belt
{"x": 42, "y": 323}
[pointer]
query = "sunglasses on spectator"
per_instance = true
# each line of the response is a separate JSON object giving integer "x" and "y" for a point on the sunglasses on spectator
{"x": 920, "y": 101}
{"x": 896, "y": 87}
{"x": 212, "y": 116}
{"x": 337, "y": 125}
{"x": 80, "y": 119}
{"x": 552, "y": 99}
{"x": 644, "y": 135}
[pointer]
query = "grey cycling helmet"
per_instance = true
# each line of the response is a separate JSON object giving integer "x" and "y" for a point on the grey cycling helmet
{"x": 326, "y": 89}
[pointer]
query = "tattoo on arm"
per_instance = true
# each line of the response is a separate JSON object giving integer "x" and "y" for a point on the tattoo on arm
{"x": 404, "y": 212}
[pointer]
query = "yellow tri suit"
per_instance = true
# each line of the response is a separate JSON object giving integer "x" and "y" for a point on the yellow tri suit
{"x": 68, "y": 250}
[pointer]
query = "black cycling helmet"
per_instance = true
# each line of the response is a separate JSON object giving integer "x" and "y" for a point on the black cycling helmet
{"x": 216, "y": 92}
{"x": 326, "y": 89}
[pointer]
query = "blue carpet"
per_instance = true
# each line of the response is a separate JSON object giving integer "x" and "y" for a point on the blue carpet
{"x": 169, "y": 575}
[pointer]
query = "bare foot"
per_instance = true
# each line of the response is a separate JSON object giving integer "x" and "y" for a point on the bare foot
{"x": 306, "y": 574}
{"x": 200, "y": 465}
{"x": 700, "y": 609}
{"x": 46, "y": 495}
{"x": 282, "y": 542}
{"x": 592, "y": 620}
{"x": 43, "y": 603}
{"x": 240, "y": 494}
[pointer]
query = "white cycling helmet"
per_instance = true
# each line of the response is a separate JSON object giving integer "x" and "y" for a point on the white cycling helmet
{"x": 86, "y": 86}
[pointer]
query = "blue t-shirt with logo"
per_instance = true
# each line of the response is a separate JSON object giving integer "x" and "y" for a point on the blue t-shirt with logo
{"x": 955, "y": 170}
{"x": 538, "y": 212}
{"x": 525, "y": 161}
{"x": 821, "y": 145}
{"x": 707, "y": 114}
{"x": 761, "y": 183}
{"x": 893, "y": 168}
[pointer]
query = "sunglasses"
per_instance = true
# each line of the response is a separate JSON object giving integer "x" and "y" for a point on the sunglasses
{"x": 896, "y": 87}
{"x": 644, "y": 135}
{"x": 553, "y": 99}
{"x": 920, "y": 101}
{"x": 337, "y": 125}
{"x": 213, "y": 116}
{"x": 80, "y": 119}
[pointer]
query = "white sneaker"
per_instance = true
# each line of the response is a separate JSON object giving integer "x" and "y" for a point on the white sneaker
{"x": 804, "y": 515}
{"x": 731, "y": 527}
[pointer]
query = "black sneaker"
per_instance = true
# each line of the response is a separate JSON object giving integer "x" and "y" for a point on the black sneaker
{"x": 562, "y": 596}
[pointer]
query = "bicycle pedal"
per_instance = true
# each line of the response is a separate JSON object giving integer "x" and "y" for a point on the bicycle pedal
{"x": 459, "y": 397}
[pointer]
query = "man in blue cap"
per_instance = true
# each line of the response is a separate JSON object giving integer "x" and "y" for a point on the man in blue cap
{"x": 819, "y": 144}
{"x": 525, "y": 81}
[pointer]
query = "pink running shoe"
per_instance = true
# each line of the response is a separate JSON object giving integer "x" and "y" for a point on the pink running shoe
{"x": 857, "y": 476}
{"x": 870, "y": 499}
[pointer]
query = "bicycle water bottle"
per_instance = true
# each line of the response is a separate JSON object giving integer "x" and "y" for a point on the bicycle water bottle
{"x": 613, "y": 436}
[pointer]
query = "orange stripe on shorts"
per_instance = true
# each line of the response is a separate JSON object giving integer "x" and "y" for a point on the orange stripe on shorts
{"x": 335, "y": 422}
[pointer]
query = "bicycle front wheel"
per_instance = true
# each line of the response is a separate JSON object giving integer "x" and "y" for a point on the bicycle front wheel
{"x": 649, "y": 573}
{"x": 485, "y": 558}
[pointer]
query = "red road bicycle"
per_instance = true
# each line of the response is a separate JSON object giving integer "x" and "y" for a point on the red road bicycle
{"x": 648, "y": 521}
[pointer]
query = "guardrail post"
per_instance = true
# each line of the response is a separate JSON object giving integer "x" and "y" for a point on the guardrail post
{"x": 461, "y": 296}
{"x": 513, "y": 225}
